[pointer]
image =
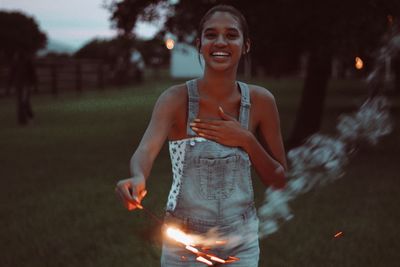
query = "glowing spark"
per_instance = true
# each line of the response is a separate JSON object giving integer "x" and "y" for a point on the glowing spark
{"x": 359, "y": 64}
{"x": 179, "y": 236}
{"x": 231, "y": 259}
{"x": 192, "y": 249}
{"x": 220, "y": 242}
{"x": 338, "y": 234}
{"x": 201, "y": 259}
{"x": 215, "y": 258}
{"x": 189, "y": 244}
{"x": 169, "y": 43}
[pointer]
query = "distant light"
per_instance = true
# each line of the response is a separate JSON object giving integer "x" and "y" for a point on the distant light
{"x": 359, "y": 64}
{"x": 169, "y": 43}
{"x": 390, "y": 20}
{"x": 338, "y": 234}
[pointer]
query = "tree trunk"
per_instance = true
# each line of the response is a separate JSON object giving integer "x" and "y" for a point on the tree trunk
{"x": 309, "y": 115}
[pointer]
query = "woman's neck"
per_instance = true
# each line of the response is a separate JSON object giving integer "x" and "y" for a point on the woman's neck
{"x": 216, "y": 85}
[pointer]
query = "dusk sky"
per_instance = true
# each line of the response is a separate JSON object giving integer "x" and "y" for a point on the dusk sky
{"x": 72, "y": 22}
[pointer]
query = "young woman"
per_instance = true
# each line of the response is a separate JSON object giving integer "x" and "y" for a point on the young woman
{"x": 216, "y": 127}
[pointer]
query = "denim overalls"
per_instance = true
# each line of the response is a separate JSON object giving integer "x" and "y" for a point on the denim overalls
{"x": 216, "y": 193}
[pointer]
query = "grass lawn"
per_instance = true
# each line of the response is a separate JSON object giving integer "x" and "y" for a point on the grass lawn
{"x": 58, "y": 208}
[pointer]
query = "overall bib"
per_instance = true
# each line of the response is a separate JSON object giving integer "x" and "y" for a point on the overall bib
{"x": 212, "y": 192}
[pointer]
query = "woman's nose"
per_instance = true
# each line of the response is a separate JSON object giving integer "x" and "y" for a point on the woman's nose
{"x": 220, "y": 40}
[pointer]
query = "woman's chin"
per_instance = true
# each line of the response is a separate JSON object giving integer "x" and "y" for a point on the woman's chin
{"x": 221, "y": 65}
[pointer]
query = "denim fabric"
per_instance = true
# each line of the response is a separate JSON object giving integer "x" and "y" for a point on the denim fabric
{"x": 216, "y": 194}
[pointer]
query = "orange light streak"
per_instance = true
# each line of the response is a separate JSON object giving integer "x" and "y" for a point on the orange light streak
{"x": 232, "y": 259}
{"x": 215, "y": 258}
{"x": 204, "y": 260}
{"x": 192, "y": 249}
{"x": 338, "y": 234}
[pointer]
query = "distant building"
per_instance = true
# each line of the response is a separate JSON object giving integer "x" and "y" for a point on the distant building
{"x": 185, "y": 61}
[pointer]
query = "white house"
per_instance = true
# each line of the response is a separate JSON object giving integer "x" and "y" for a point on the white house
{"x": 185, "y": 61}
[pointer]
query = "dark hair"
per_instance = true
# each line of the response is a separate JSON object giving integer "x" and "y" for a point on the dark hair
{"x": 235, "y": 13}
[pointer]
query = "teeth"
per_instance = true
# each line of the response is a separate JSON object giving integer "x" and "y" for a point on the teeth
{"x": 220, "y": 54}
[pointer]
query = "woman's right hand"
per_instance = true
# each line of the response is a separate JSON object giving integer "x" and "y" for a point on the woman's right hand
{"x": 131, "y": 191}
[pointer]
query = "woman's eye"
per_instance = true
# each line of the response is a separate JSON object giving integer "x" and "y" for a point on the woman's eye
{"x": 232, "y": 36}
{"x": 210, "y": 35}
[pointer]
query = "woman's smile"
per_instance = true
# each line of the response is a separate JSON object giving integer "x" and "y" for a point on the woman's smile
{"x": 220, "y": 56}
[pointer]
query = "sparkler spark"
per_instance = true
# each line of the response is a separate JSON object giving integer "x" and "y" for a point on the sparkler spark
{"x": 338, "y": 234}
{"x": 201, "y": 259}
{"x": 189, "y": 244}
{"x": 179, "y": 236}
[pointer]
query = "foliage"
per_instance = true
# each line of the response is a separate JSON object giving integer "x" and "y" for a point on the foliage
{"x": 125, "y": 14}
{"x": 107, "y": 50}
{"x": 19, "y": 33}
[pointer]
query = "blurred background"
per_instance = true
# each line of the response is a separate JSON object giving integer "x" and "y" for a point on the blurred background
{"x": 78, "y": 81}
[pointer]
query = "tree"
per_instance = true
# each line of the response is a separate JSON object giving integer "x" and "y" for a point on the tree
{"x": 20, "y": 39}
{"x": 19, "y": 33}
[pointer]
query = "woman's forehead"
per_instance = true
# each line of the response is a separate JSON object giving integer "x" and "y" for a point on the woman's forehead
{"x": 222, "y": 20}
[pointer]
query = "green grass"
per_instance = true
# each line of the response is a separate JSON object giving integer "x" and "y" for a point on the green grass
{"x": 58, "y": 176}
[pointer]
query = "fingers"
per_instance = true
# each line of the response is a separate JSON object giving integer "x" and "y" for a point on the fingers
{"x": 204, "y": 127}
{"x": 210, "y": 136}
{"x": 214, "y": 122}
{"x": 127, "y": 204}
{"x": 138, "y": 199}
{"x": 130, "y": 194}
{"x": 225, "y": 116}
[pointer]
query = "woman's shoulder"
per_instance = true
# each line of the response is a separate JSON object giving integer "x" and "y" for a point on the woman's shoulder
{"x": 175, "y": 92}
{"x": 259, "y": 94}
{"x": 174, "y": 96}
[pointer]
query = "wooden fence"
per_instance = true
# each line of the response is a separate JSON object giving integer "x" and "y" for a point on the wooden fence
{"x": 57, "y": 75}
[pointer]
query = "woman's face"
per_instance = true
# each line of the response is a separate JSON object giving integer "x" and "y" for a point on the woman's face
{"x": 221, "y": 42}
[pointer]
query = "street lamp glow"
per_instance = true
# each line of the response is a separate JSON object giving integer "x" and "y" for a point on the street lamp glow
{"x": 359, "y": 64}
{"x": 169, "y": 43}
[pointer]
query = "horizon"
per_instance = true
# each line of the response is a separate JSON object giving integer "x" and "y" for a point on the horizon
{"x": 70, "y": 24}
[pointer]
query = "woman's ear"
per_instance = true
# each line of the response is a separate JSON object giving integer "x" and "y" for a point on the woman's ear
{"x": 246, "y": 48}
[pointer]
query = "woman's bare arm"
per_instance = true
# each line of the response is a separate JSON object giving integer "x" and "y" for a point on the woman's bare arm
{"x": 132, "y": 190}
{"x": 266, "y": 150}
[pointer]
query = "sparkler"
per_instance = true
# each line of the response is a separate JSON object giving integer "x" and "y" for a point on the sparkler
{"x": 189, "y": 243}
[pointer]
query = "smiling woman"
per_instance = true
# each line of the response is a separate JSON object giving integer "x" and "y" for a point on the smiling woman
{"x": 217, "y": 129}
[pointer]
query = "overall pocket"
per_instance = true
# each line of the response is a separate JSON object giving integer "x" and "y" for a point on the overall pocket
{"x": 218, "y": 176}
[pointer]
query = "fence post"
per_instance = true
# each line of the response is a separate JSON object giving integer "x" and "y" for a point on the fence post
{"x": 100, "y": 76}
{"x": 54, "y": 79}
{"x": 78, "y": 76}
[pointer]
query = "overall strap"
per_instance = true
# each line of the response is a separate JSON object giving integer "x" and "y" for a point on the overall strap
{"x": 244, "y": 116}
{"x": 193, "y": 105}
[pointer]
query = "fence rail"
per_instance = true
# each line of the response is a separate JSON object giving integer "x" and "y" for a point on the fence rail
{"x": 55, "y": 75}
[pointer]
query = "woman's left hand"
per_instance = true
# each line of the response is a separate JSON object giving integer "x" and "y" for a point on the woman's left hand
{"x": 226, "y": 131}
